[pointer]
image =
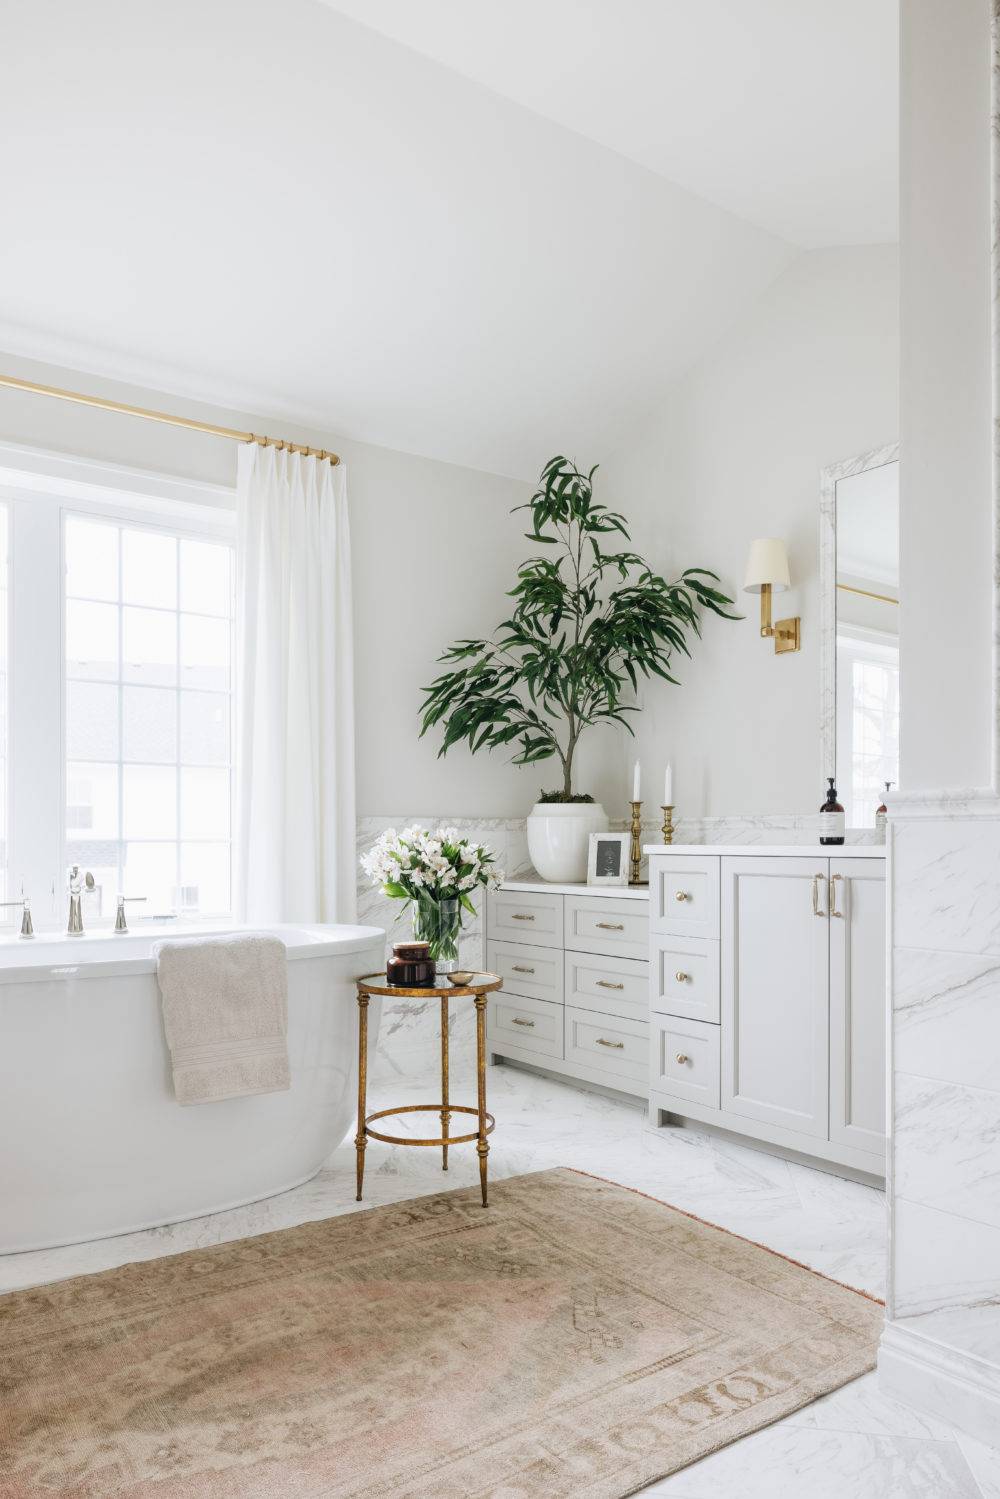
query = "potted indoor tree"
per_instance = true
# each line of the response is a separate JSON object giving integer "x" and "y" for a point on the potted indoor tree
{"x": 586, "y": 625}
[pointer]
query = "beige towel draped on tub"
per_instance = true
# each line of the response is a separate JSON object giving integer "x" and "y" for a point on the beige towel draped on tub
{"x": 225, "y": 1014}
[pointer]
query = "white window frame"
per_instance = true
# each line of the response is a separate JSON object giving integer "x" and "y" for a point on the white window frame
{"x": 39, "y": 489}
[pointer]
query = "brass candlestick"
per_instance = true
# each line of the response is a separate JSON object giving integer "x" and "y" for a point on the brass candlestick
{"x": 636, "y": 849}
{"x": 668, "y": 824}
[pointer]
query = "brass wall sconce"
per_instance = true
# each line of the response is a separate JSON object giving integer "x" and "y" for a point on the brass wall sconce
{"x": 767, "y": 573}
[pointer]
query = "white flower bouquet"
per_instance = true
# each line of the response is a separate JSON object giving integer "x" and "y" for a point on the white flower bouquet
{"x": 435, "y": 873}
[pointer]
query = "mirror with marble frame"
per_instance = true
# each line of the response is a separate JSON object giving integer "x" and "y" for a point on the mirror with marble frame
{"x": 859, "y": 629}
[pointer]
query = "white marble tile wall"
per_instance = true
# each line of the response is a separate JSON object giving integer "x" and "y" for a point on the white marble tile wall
{"x": 945, "y": 1154}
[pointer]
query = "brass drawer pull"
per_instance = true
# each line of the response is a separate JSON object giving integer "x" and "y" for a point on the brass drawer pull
{"x": 833, "y": 895}
{"x": 682, "y": 895}
{"x": 518, "y": 1021}
{"x": 521, "y": 916}
{"x": 604, "y": 984}
{"x": 681, "y": 1057}
{"x": 611, "y": 926}
{"x": 519, "y": 968}
{"x": 615, "y": 1045}
{"x": 682, "y": 977}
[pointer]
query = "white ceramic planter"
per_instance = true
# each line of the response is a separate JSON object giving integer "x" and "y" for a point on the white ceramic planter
{"x": 559, "y": 838}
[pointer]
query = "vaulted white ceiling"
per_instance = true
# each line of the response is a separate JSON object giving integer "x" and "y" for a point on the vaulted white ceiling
{"x": 273, "y": 207}
{"x": 781, "y": 111}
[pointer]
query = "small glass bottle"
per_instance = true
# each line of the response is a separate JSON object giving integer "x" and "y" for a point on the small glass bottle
{"x": 882, "y": 815}
{"x": 831, "y": 817}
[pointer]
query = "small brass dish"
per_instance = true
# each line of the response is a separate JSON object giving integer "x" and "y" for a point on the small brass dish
{"x": 460, "y": 977}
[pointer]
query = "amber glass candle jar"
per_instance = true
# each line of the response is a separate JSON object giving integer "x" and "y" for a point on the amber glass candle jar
{"x": 411, "y": 966}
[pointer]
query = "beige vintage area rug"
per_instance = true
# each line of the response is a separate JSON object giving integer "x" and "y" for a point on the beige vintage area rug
{"x": 573, "y": 1339}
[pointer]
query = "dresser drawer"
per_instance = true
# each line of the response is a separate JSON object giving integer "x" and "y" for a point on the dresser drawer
{"x": 685, "y": 977}
{"x": 684, "y": 895}
{"x": 525, "y": 916}
{"x": 685, "y": 1060}
{"x": 619, "y": 1049}
{"x": 604, "y": 924}
{"x": 524, "y": 1025}
{"x": 608, "y": 985}
{"x": 533, "y": 971}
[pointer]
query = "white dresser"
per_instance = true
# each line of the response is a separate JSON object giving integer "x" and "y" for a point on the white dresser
{"x": 574, "y": 960}
{"x": 767, "y": 995}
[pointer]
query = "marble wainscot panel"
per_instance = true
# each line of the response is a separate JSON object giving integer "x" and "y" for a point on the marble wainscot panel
{"x": 409, "y": 1044}
{"x": 941, "y": 1348}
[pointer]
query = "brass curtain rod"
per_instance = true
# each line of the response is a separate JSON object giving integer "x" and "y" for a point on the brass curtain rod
{"x": 234, "y": 435}
{"x": 883, "y": 598}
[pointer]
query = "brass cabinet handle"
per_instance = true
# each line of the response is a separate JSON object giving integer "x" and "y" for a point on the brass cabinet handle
{"x": 682, "y": 895}
{"x": 604, "y": 984}
{"x": 521, "y": 916}
{"x": 518, "y": 1021}
{"x": 682, "y": 1057}
{"x": 816, "y": 909}
{"x": 519, "y": 968}
{"x": 615, "y": 1045}
{"x": 611, "y": 926}
{"x": 833, "y": 895}
{"x": 682, "y": 977}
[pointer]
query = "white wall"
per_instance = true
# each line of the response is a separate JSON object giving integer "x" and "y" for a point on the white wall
{"x": 808, "y": 377}
{"x": 434, "y": 550}
{"x": 946, "y": 550}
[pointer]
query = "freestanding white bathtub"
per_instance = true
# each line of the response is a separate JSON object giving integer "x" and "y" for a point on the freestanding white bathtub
{"x": 92, "y": 1141}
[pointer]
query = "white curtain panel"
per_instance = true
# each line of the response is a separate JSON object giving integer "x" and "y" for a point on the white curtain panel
{"x": 295, "y": 846}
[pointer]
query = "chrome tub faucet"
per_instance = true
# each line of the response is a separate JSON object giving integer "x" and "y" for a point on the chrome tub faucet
{"x": 77, "y": 884}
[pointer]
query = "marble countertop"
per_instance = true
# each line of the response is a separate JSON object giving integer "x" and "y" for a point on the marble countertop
{"x": 627, "y": 892}
{"x": 767, "y": 850}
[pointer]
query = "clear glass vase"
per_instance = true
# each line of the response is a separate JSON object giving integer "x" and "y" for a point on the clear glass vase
{"x": 439, "y": 923}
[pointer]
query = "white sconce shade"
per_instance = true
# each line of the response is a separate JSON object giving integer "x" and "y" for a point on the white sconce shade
{"x": 767, "y": 564}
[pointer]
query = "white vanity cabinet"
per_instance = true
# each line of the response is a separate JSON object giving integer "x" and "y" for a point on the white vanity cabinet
{"x": 574, "y": 960}
{"x": 768, "y": 994}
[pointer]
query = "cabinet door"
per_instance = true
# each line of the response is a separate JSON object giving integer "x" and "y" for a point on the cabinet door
{"x": 775, "y": 991}
{"x": 857, "y": 1003}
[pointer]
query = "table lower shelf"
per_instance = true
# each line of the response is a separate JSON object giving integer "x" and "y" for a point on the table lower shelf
{"x": 427, "y": 1108}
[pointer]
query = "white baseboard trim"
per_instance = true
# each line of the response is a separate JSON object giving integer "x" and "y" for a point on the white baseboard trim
{"x": 943, "y": 1382}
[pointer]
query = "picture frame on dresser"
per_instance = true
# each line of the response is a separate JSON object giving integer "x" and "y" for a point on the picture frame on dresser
{"x": 607, "y": 859}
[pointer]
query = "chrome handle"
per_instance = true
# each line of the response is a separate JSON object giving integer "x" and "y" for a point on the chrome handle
{"x": 815, "y": 883}
{"x": 121, "y": 925}
{"x": 682, "y": 895}
{"x": 521, "y": 916}
{"x": 518, "y": 1021}
{"x": 682, "y": 1057}
{"x": 682, "y": 977}
{"x": 27, "y": 930}
{"x": 833, "y": 895}
{"x": 615, "y": 1045}
{"x": 611, "y": 926}
{"x": 604, "y": 984}
{"x": 520, "y": 968}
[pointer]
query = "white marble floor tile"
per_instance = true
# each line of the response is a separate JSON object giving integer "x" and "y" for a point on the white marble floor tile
{"x": 984, "y": 1463}
{"x": 854, "y": 1444}
{"x": 797, "y": 1462}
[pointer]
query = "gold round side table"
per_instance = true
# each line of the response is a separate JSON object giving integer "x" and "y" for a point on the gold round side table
{"x": 374, "y": 983}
